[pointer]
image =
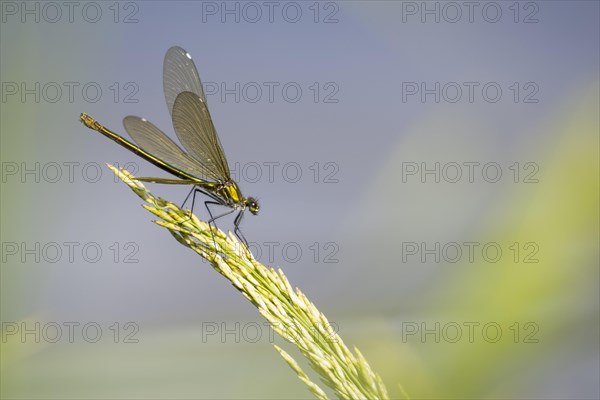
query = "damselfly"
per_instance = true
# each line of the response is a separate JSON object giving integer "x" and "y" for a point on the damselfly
{"x": 202, "y": 163}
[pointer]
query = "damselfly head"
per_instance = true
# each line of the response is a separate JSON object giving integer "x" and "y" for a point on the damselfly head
{"x": 252, "y": 205}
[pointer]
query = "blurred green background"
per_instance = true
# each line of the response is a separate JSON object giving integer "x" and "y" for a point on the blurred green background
{"x": 475, "y": 285}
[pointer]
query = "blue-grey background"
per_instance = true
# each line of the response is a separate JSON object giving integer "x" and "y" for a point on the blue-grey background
{"x": 353, "y": 133}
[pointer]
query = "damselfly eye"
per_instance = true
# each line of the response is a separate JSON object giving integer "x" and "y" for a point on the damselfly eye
{"x": 252, "y": 205}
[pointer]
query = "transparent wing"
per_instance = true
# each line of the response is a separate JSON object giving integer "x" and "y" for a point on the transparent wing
{"x": 154, "y": 141}
{"x": 195, "y": 130}
{"x": 180, "y": 75}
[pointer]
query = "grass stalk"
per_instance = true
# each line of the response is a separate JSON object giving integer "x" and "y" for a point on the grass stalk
{"x": 289, "y": 312}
